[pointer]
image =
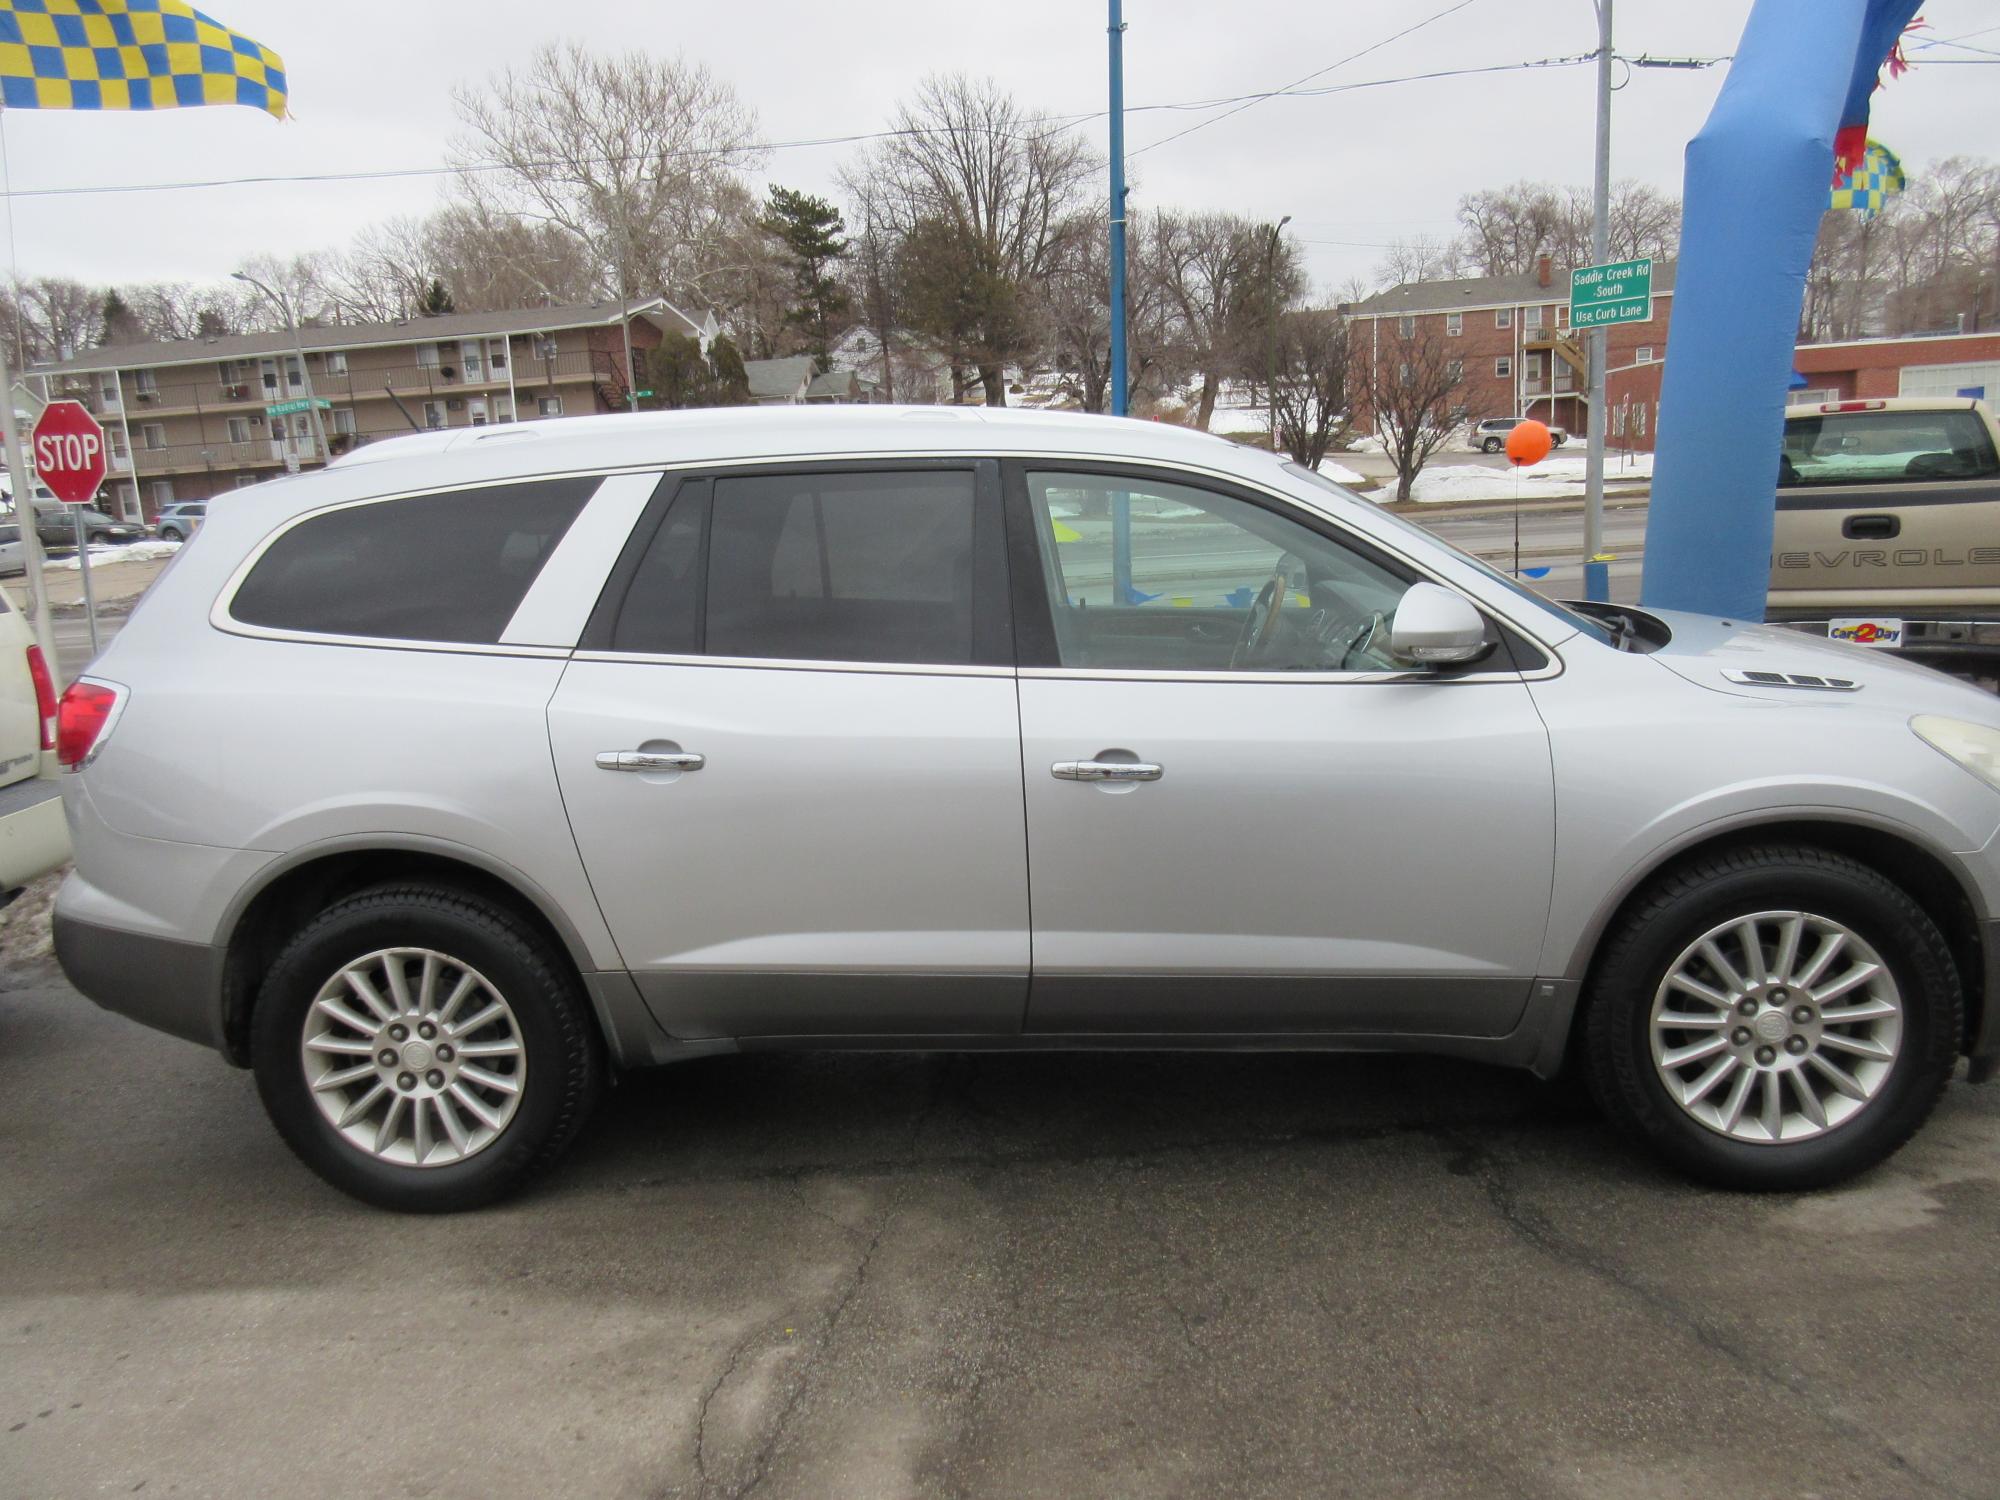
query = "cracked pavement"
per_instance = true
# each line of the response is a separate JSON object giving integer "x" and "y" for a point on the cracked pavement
{"x": 977, "y": 1275}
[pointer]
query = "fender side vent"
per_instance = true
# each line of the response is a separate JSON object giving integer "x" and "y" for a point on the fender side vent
{"x": 1805, "y": 680}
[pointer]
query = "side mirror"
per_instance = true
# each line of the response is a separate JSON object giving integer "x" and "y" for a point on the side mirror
{"x": 1435, "y": 627}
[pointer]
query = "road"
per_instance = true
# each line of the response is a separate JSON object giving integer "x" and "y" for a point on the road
{"x": 1551, "y": 539}
{"x": 972, "y": 1276}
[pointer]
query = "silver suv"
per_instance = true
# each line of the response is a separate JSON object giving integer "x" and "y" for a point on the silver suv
{"x": 508, "y": 756}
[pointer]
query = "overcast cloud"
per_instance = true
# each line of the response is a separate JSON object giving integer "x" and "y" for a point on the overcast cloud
{"x": 371, "y": 88}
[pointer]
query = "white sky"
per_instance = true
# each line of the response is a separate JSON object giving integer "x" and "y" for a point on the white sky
{"x": 370, "y": 88}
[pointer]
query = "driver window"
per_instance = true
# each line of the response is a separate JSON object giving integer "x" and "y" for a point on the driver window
{"x": 1145, "y": 575}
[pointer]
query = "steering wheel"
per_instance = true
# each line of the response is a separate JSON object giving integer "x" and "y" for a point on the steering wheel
{"x": 1262, "y": 619}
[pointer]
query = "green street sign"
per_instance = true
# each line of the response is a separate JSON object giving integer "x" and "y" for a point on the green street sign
{"x": 286, "y": 408}
{"x": 642, "y": 393}
{"x": 1621, "y": 292}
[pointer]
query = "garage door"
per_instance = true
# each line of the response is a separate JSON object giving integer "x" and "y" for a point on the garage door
{"x": 1949, "y": 380}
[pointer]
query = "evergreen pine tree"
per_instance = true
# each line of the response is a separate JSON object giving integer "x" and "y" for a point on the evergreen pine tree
{"x": 814, "y": 238}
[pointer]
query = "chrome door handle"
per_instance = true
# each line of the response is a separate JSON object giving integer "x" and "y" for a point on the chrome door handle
{"x": 650, "y": 760}
{"x": 1106, "y": 770}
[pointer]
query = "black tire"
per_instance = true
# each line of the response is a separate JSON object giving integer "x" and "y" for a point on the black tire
{"x": 564, "y": 1054}
{"x": 1491, "y": 445}
{"x": 1673, "y": 913}
{"x": 97, "y": 538}
{"x": 168, "y": 534}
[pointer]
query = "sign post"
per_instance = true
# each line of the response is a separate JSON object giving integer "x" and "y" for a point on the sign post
{"x": 68, "y": 450}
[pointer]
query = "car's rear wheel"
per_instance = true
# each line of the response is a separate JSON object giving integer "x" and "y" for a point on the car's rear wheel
{"x": 422, "y": 1050}
{"x": 1773, "y": 1018}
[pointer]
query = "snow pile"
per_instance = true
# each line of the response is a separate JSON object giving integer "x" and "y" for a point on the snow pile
{"x": 147, "y": 551}
{"x": 1552, "y": 478}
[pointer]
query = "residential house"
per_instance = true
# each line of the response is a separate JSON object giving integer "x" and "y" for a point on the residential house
{"x": 189, "y": 418}
{"x": 795, "y": 381}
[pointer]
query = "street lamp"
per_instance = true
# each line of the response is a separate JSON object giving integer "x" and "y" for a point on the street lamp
{"x": 305, "y": 375}
{"x": 1271, "y": 296}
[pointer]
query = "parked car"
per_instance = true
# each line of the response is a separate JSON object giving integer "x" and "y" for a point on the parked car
{"x": 56, "y": 526}
{"x": 33, "y": 835}
{"x": 712, "y": 735}
{"x": 12, "y": 559}
{"x": 1888, "y": 528}
{"x": 1490, "y": 436}
{"x": 176, "y": 523}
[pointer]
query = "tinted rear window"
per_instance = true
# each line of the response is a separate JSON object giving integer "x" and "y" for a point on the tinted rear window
{"x": 450, "y": 567}
{"x": 842, "y": 567}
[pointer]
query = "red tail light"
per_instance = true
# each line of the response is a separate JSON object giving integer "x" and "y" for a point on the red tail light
{"x": 84, "y": 716}
{"x": 45, "y": 695}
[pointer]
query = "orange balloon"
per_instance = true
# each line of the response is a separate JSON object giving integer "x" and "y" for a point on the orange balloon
{"x": 1528, "y": 443}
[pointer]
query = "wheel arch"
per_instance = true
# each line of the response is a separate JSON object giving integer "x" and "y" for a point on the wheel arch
{"x": 290, "y": 891}
{"x": 1896, "y": 853}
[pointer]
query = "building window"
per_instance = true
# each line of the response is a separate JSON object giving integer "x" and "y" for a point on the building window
{"x": 244, "y": 481}
{"x": 336, "y": 364}
{"x": 433, "y": 414}
{"x": 239, "y": 429}
{"x": 1532, "y": 317}
{"x": 108, "y": 386}
{"x": 163, "y": 492}
{"x": 1644, "y": 354}
{"x": 1403, "y": 373}
{"x": 1562, "y": 315}
{"x": 1456, "y": 369}
{"x": 1454, "y": 324}
{"x": 550, "y": 406}
{"x": 427, "y": 356}
{"x": 153, "y": 435}
{"x": 1503, "y": 317}
{"x": 142, "y": 381}
{"x": 1503, "y": 367}
{"x": 1406, "y": 326}
{"x": 342, "y": 419}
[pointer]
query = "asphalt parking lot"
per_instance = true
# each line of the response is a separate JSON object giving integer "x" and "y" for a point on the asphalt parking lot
{"x": 862, "y": 1275}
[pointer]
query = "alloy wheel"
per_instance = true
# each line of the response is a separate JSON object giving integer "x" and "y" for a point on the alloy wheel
{"x": 414, "y": 1057}
{"x": 1776, "y": 1026}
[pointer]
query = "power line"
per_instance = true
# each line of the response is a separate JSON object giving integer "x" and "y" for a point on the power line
{"x": 1053, "y": 122}
{"x": 1250, "y": 100}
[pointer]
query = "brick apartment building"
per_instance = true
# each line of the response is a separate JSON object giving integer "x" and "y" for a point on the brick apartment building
{"x": 1519, "y": 357}
{"x": 187, "y": 419}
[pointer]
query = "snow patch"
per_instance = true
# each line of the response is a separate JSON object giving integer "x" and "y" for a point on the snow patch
{"x": 130, "y": 552}
{"x": 1552, "y": 478}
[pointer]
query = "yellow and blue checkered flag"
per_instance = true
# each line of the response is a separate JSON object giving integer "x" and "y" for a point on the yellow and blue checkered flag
{"x": 130, "y": 54}
{"x": 1876, "y": 178}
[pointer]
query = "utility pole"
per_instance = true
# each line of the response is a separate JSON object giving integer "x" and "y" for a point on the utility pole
{"x": 1597, "y": 575}
{"x": 305, "y": 376}
{"x": 1271, "y": 317}
{"x": 1117, "y": 30}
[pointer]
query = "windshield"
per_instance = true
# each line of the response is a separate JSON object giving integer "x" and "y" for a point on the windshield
{"x": 1514, "y": 586}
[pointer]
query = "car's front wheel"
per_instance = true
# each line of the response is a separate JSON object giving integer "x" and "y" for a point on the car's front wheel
{"x": 1773, "y": 1018}
{"x": 1491, "y": 445}
{"x": 421, "y": 1049}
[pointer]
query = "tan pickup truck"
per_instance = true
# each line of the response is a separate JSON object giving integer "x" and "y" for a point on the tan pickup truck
{"x": 1888, "y": 528}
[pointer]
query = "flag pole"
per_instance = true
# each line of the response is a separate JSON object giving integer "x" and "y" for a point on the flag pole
{"x": 24, "y": 514}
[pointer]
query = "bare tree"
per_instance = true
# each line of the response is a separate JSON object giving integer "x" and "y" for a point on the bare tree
{"x": 991, "y": 185}
{"x": 1408, "y": 385}
{"x": 1311, "y": 394}
{"x": 1075, "y": 306}
{"x": 1219, "y": 270}
{"x": 58, "y": 316}
{"x": 633, "y": 157}
{"x": 1505, "y": 230}
{"x": 1421, "y": 258}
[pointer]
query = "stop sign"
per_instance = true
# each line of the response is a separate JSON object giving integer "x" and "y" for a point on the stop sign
{"x": 67, "y": 446}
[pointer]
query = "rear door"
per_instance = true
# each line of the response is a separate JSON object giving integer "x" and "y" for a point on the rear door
{"x": 1887, "y": 506}
{"x": 790, "y": 751}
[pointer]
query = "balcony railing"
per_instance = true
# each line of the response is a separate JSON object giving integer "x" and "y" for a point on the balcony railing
{"x": 447, "y": 378}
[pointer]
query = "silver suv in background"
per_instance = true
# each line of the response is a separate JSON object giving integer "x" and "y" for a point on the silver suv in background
{"x": 176, "y": 523}
{"x": 508, "y": 756}
{"x": 1490, "y": 436}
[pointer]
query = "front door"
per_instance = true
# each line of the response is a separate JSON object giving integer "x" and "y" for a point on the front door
{"x": 1241, "y": 817}
{"x": 791, "y": 756}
